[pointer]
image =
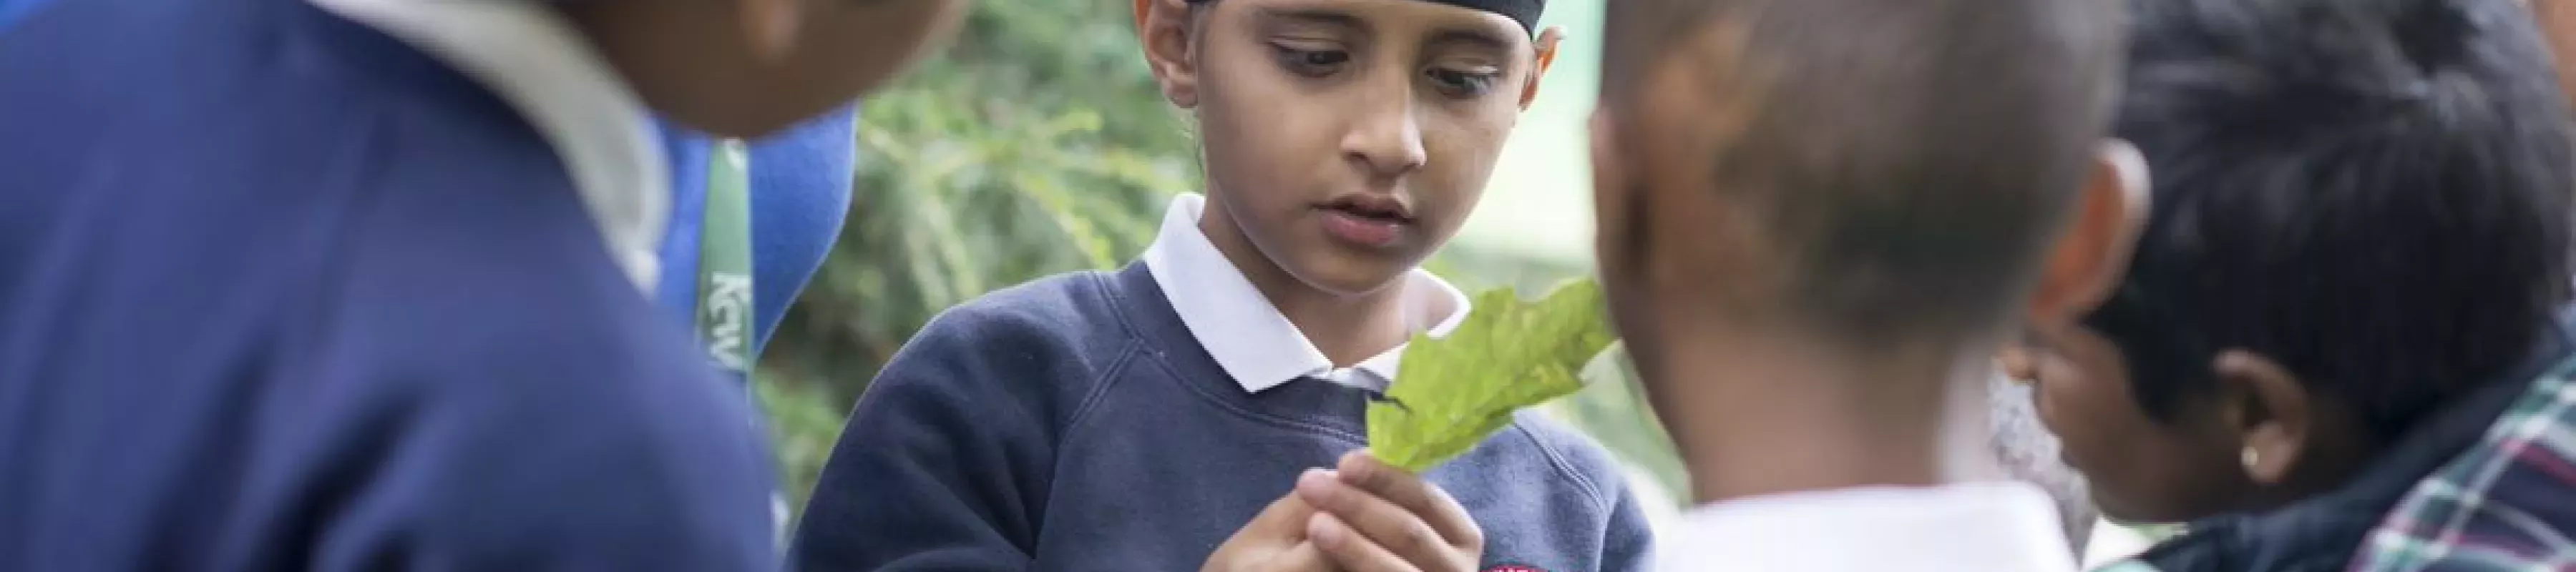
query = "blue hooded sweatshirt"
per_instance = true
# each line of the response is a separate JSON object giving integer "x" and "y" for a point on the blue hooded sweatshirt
{"x": 280, "y": 291}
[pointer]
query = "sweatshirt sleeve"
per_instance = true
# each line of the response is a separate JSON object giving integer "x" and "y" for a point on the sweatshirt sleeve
{"x": 946, "y": 459}
{"x": 1629, "y": 544}
{"x": 547, "y": 450}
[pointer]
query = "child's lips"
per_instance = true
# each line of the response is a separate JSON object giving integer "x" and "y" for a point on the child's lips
{"x": 1371, "y": 205}
{"x": 1361, "y": 229}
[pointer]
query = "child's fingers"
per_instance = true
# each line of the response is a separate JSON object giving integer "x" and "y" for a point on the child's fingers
{"x": 1284, "y": 517}
{"x": 1350, "y": 548}
{"x": 1304, "y": 557}
{"x": 1417, "y": 496}
{"x": 1383, "y": 523}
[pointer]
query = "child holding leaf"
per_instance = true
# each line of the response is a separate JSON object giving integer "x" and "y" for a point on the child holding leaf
{"x": 1178, "y": 414}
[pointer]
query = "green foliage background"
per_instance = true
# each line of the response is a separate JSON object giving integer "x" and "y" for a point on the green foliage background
{"x": 1036, "y": 145}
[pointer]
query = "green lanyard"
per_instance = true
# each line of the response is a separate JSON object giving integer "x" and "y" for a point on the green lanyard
{"x": 724, "y": 260}
{"x": 724, "y": 283}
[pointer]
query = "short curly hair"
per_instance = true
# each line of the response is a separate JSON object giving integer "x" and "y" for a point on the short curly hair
{"x": 2378, "y": 200}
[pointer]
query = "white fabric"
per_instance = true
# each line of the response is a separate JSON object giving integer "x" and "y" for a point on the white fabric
{"x": 532, "y": 58}
{"x": 1247, "y": 335}
{"x": 1972, "y": 527}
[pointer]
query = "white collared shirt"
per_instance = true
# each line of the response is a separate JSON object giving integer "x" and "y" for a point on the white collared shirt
{"x": 525, "y": 52}
{"x": 1967, "y": 527}
{"x": 1247, "y": 335}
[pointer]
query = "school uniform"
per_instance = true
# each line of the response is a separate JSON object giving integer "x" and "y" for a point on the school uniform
{"x": 349, "y": 284}
{"x": 1135, "y": 419}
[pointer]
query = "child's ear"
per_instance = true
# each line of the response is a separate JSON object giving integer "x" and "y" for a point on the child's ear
{"x": 1163, "y": 28}
{"x": 1546, "y": 44}
{"x": 1609, "y": 187}
{"x": 1617, "y": 237}
{"x": 772, "y": 27}
{"x": 2269, "y": 409}
{"x": 2088, "y": 259}
{"x": 1620, "y": 240}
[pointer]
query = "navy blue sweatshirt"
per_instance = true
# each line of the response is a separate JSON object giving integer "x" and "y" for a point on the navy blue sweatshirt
{"x": 1073, "y": 424}
{"x": 278, "y": 292}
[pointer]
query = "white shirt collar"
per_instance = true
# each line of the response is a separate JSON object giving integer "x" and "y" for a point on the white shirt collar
{"x": 1962, "y": 527}
{"x": 526, "y": 53}
{"x": 1247, "y": 335}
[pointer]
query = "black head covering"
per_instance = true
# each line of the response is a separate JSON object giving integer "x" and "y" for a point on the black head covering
{"x": 1524, "y": 12}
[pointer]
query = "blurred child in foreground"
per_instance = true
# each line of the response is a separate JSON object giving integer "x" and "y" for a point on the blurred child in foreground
{"x": 1133, "y": 419}
{"x": 364, "y": 284}
{"x": 1819, "y": 220}
{"x": 2341, "y": 314}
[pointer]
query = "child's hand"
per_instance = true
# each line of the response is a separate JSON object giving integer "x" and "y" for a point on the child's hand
{"x": 1373, "y": 517}
{"x": 1275, "y": 541}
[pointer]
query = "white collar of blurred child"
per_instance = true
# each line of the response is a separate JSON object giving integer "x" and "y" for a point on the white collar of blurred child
{"x": 528, "y": 55}
{"x": 1999, "y": 526}
{"x": 1243, "y": 331}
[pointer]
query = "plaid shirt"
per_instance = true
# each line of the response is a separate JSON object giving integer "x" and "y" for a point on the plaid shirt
{"x": 2507, "y": 504}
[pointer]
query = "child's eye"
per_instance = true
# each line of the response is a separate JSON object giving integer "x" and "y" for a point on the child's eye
{"x": 1308, "y": 61}
{"x": 1463, "y": 83}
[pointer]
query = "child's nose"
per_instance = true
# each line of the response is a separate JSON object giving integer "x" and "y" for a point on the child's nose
{"x": 1385, "y": 136}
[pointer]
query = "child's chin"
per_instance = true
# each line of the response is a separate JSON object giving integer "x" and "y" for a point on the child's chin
{"x": 1349, "y": 275}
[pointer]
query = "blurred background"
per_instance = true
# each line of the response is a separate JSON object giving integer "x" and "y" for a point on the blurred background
{"x": 1038, "y": 145}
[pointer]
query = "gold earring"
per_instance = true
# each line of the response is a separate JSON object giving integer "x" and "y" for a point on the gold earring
{"x": 2250, "y": 458}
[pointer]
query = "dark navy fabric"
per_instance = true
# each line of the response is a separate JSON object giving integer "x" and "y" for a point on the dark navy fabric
{"x": 1074, "y": 425}
{"x": 12, "y": 10}
{"x": 278, "y": 292}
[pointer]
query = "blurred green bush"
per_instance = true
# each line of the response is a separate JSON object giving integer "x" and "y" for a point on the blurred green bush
{"x": 1035, "y": 145}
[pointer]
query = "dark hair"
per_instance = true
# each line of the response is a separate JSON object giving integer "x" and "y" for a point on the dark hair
{"x": 2373, "y": 193}
{"x": 1913, "y": 156}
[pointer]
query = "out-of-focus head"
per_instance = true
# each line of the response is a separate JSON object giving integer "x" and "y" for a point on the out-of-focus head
{"x": 744, "y": 68}
{"x": 1855, "y": 174}
{"x": 2361, "y": 214}
{"x": 1344, "y": 140}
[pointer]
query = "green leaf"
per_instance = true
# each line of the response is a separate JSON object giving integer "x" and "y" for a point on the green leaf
{"x": 1454, "y": 391}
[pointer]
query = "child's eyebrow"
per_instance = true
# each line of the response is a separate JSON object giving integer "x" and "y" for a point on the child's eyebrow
{"x": 1463, "y": 35}
{"x": 1317, "y": 16}
{"x": 1445, "y": 34}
